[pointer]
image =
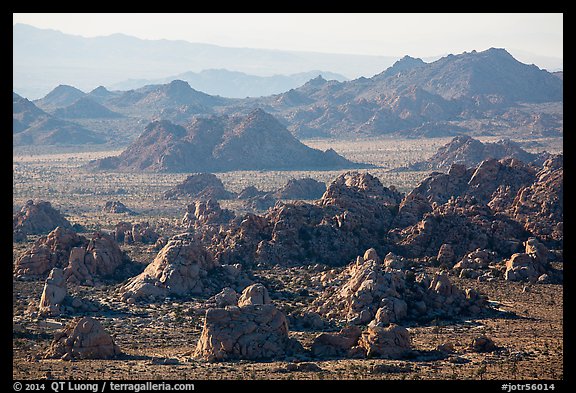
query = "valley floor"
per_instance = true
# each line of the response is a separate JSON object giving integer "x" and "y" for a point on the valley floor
{"x": 158, "y": 339}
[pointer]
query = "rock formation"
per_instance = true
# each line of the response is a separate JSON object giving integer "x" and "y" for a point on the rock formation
{"x": 467, "y": 151}
{"x": 368, "y": 290}
{"x": 179, "y": 269}
{"x": 53, "y": 294}
{"x": 38, "y": 218}
{"x": 200, "y": 186}
{"x": 140, "y": 232}
{"x": 116, "y": 207}
{"x": 306, "y": 188}
{"x": 529, "y": 265}
{"x": 99, "y": 259}
{"x": 48, "y": 252}
{"x": 83, "y": 338}
{"x": 253, "y": 330}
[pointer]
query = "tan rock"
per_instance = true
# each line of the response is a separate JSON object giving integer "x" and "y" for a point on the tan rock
{"x": 83, "y": 338}
{"x": 54, "y": 293}
{"x": 252, "y": 332}
{"x": 254, "y": 294}
{"x": 388, "y": 342}
{"x": 179, "y": 268}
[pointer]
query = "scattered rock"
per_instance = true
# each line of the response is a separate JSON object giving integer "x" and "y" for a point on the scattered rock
{"x": 482, "y": 344}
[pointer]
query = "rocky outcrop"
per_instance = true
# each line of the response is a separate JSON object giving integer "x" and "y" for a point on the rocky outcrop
{"x": 48, "y": 252}
{"x": 53, "y": 294}
{"x": 83, "y": 338}
{"x": 529, "y": 265}
{"x": 179, "y": 269}
{"x": 140, "y": 232}
{"x": 254, "y": 294}
{"x": 99, "y": 259}
{"x": 391, "y": 341}
{"x": 38, "y": 218}
{"x": 341, "y": 344}
{"x": 306, "y": 188}
{"x": 466, "y": 225}
{"x": 467, "y": 151}
{"x": 200, "y": 186}
{"x": 206, "y": 213}
{"x": 253, "y": 330}
{"x": 540, "y": 206}
{"x": 370, "y": 291}
{"x": 117, "y": 207}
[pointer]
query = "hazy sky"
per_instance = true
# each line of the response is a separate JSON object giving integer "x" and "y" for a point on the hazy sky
{"x": 396, "y": 34}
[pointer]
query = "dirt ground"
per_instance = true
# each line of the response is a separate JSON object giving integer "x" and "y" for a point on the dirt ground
{"x": 526, "y": 321}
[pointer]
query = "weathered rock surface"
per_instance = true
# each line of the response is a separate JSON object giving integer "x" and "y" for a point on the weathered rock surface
{"x": 368, "y": 291}
{"x": 253, "y": 330}
{"x": 253, "y": 295}
{"x": 206, "y": 213}
{"x": 38, "y": 218}
{"x": 540, "y": 205}
{"x": 200, "y": 186}
{"x": 529, "y": 265}
{"x": 99, "y": 259}
{"x": 392, "y": 341}
{"x": 330, "y": 345}
{"x": 179, "y": 269}
{"x": 48, "y": 252}
{"x": 83, "y": 338}
{"x": 53, "y": 294}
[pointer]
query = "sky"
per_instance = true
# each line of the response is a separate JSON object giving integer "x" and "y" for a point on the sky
{"x": 386, "y": 34}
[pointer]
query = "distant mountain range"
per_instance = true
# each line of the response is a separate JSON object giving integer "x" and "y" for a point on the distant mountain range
{"x": 32, "y": 126}
{"x": 233, "y": 84}
{"x": 221, "y": 143}
{"x": 473, "y": 93}
{"x": 43, "y": 59}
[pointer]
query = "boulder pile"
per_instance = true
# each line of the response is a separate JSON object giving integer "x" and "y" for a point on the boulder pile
{"x": 37, "y": 218}
{"x": 254, "y": 330}
{"x": 83, "y": 338}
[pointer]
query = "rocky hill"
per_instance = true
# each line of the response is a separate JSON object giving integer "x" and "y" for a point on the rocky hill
{"x": 59, "y": 97}
{"x": 85, "y": 108}
{"x": 32, "y": 126}
{"x": 221, "y": 143}
{"x": 468, "y": 151}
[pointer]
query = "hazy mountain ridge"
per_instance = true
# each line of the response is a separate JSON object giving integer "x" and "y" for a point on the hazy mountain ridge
{"x": 476, "y": 93}
{"x": 233, "y": 84}
{"x": 33, "y": 126}
{"x": 39, "y": 55}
